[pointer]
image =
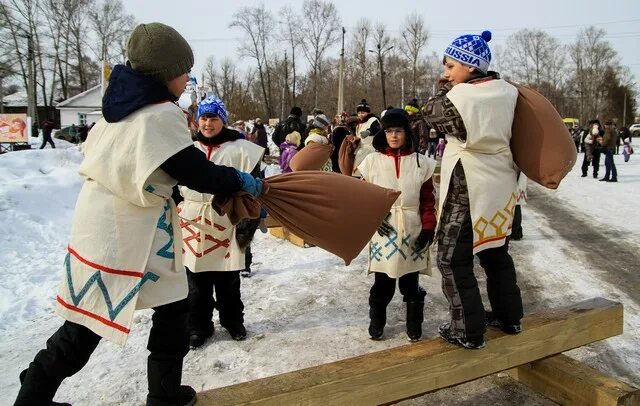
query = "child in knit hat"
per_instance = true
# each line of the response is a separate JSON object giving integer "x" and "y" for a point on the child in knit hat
{"x": 474, "y": 108}
{"x": 216, "y": 266}
{"x": 288, "y": 150}
{"x": 124, "y": 252}
{"x": 399, "y": 251}
{"x": 319, "y": 134}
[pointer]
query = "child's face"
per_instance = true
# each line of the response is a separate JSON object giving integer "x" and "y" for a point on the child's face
{"x": 396, "y": 137}
{"x": 176, "y": 86}
{"x": 210, "y": 126}
{"x": 455, "y": 72}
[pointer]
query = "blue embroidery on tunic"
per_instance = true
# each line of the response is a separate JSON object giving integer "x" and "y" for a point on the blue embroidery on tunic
{"x": 96, "y": 278}
{"x": 395, "y": 249}
{"x": 375, "y": 251}
{"x": 150, "y": 189}
{"x": 168, "y": 227}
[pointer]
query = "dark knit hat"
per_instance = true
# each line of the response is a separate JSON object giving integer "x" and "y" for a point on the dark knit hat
{"x": 363, "y": 106}
{"x": 159, "y": 51}
{"x": 296, "y": 111}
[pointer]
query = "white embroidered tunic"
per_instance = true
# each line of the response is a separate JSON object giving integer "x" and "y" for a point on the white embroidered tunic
{"x": 121, "y": 254}
{"x": 209, "y": 240}
{"x": 487, "y": 109}
{"x": 395, "y": 255}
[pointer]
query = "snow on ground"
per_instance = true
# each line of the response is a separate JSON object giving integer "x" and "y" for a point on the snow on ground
{"x": 303, "y": 306}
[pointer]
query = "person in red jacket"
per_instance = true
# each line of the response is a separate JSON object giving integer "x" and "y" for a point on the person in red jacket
{"x": 399, "y": 250}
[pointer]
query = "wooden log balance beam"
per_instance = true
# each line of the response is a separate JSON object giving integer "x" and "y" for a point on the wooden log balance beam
{"x": 569, "y": 382}
{"x": 415, "y": 369}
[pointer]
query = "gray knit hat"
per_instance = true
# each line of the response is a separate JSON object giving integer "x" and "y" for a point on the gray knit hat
{"x": 157, "y": 50}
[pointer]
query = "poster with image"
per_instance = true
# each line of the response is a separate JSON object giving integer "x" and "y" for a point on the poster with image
{"x": 14, "y": 128}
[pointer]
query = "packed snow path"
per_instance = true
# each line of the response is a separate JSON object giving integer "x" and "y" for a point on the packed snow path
{"x": 303, "y": 306}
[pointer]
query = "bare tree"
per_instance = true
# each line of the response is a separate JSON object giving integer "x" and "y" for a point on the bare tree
{"x": 360, "y": 41}
{"x": 290, "y": 32}
{"x": 383, "y": 45}
{"x": 79, "y": 27}
{"x": 111, "y": 24}
{"x": 257, "y": 25}
{"x": 415, "y": 36}
{"x": 591, "y": 54}
{"x": 532, "y": 56}
{"x": 320, "y": 30}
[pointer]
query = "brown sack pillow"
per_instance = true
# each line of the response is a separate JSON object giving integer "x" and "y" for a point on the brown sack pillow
{"x": 541, "y": 145}
{"x": 311, "y": 157}
{"x": 347, "y": 154}
{"x": 334, "y": 212}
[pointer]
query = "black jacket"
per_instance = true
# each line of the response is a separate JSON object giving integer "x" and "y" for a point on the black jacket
{"x": 291, "y": 124}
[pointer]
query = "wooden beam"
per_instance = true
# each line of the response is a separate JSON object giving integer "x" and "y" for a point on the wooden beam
{"x": 569, "y": 382}
{"x": 411, "y": 370}
{"x": 285, "y": 234}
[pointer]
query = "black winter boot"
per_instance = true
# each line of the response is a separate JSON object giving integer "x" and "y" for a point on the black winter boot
{"x": 164, "y": 378}
{"x": 378, "y": 315}
{"x": 415, "y": 316}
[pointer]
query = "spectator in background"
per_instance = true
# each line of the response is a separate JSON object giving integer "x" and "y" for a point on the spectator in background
{"x": 609, "y": 148}
{"x": 47, "y": 129}
{"x": 289, "y": 125}
{"x": 83, "y": 132}
{"x": 260, "y": 134}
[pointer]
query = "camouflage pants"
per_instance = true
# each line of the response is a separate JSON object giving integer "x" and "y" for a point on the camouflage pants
{"x": 455, "y": 262}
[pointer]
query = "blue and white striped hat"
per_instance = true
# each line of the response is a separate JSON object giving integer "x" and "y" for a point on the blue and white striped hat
{"x": 471, "y": 50}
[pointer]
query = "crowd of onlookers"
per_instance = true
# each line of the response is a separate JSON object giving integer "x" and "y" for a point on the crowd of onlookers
{"x": 595, "y": 140}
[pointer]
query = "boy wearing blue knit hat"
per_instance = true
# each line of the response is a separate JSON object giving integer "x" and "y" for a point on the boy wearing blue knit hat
{"x": 474, "y": 108}
{"x": 215, "y": 251}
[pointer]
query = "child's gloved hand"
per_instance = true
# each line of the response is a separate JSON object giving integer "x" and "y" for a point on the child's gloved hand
{"x": 364, "y": 134}
{"x": 250, "y": 184}
{"x": 386, "y": 229}
{"x": 425, "y": 238}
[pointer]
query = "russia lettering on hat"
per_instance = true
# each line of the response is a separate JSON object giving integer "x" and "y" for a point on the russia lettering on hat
{"x": 471, "y": 50}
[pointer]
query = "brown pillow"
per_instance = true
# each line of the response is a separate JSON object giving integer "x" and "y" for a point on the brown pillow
{"x": 347, "y": 154}
{"x": 334, "y": 212}
{"x": 541, "y": 145}
{"x": 311, "y": 157}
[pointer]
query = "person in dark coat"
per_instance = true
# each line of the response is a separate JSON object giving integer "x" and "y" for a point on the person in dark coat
{"x": 259, "y": 133}
{"x": 289, "y": 125}
{"x": 47, "y": 129}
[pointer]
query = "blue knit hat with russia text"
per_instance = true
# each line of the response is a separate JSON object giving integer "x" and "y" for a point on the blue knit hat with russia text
{"x": 213, "y": 105}
{"x": 471, "y": 50}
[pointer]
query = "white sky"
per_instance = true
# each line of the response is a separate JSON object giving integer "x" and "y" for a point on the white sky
{"x": 206, "y": 24}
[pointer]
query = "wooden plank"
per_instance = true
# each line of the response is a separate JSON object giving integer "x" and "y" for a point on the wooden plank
{"x": 569, "y": 382}
{"x": 285, "y": 234}
{"x": 415, "y": 369}
{"x": 271, "y": 222}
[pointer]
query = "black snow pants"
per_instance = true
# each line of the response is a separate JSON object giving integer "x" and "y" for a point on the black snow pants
{"x": 384, "y": 288}
{"x": 201, "y": 301}
{"x": 70, "y": 347}
{"x": 455, "y": 262}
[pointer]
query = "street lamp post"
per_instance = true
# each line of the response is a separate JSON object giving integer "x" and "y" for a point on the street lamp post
{"x": 381, "y": 53}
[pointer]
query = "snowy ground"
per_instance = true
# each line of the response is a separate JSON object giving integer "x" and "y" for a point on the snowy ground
{"x": 303, "y": 306}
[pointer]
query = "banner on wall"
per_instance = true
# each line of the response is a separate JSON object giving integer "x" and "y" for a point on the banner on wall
{"x": 14, "y": 128}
